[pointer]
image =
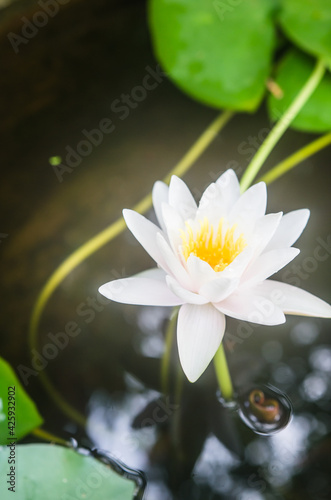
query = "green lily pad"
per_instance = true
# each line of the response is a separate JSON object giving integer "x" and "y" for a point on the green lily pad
{"x": 308, "y": 24}
{"x": 293, "y": 71}
{"x": 18, "y": 413}
{"x": 51, "y": 472}
{"x": 218, "y": 52}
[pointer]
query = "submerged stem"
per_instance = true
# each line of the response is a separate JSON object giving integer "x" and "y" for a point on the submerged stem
{"x": 48, "y": 436}
{"x": 170, "y": 334}
{"x": 297, "y": 157}
{"x": 223, "y": 374}
{"x": 284, "y": 122}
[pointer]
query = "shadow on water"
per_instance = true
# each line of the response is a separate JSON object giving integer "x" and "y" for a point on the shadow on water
{"x": 65, "y": 81}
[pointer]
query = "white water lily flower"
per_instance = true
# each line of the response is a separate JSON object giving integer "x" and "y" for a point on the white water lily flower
{"x": 214, "y": 260}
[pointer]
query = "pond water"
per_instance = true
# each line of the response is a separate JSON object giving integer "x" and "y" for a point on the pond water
{"x": 188, "y": 444}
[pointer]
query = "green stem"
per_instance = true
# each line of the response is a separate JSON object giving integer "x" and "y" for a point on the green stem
{"x": 296, "y": 158}
{"x": 223, "y": 374}
{"x": 170, "y": 334}
{"x": 95, "y": 243}
{"x": 280, "y": 127}
{"x": 48, "y": 436}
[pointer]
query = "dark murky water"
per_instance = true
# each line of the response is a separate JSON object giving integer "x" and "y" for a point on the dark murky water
{"x": 63, "y": 82}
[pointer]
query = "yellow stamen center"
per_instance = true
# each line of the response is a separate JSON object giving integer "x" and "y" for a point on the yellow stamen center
{"x": 218, "y": 249}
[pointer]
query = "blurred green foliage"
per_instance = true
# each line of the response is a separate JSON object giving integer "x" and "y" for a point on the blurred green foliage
{"x": 222, "y": 52}
{"x": 307, "y": 23}
{"x": 18, "y": 413}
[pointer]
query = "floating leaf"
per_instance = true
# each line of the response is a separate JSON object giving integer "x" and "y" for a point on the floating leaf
{"x": 219, "y": 52}
{"x": 308, "y": 24}
{"x": 51, "y": 472}
{"x": 24, "y": 416}
{"x": 292, "y": 73}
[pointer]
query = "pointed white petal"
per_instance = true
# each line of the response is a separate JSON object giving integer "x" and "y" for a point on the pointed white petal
{"x": 289, "y": 229}
{"x": 181, "y": 199}
{"x": 264, "y": 231}
{"x": 293, "y": 300}
{"x": 160, "y": 195}
{"x": 200, "y": 331}
{"x": 268, "y": 264}
{"x": 249, "y": 306}
{"x": 211, "y": 197}
{"x": 174, "y": 223}
{"x": 218, "y": 289}
{"x": 250, "y": 206}
{"x": 174, "y": 265}
{"x": 229, "y": 188}
{"x": 145, "y": 232}
{"x": 144, "y": 289}
{"x": 184, "y": 294}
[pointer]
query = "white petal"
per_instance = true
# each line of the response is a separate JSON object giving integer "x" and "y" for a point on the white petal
{"x": 264, "y": 230}
{"x": 184, "y": 294}
{"x": 160, "y": 195}
{"x": 251, "y": 307}
{"x": 218, "y": 289}
{"x": 239, "y": 264}
{"x": 268, "y": 264}
{"x": 145, "y": 232}
{"x": 200, "y": 331}
{"x": 181, "y": 199}
{"x": 174, "y": 266}
{"x": 250, "y": 206}
{"x": 200, "y": 271}
{"x": 174, "y": 223}
{"x": 293, "y": 300}
{"x": 229, "y": 188}
{"x": 140, "y": 290}
{"x": 289, "y": 229}
{"x": 211, "y": 198}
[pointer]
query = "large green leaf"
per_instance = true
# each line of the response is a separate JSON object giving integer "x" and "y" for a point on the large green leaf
{"x": 292, "y": 73}
{"x": 308, "y": 24}
{"x": 25, "y": 416}
{"x": 218, "y": 52}
{"x": 50, "y": 472}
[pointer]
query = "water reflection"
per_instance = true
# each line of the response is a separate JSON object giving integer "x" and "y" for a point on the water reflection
{"x": 314, "y": 387}
{"x": 109, "y": 426}
{"x": 283, "y": 374}
{"x": 272, "y": 351}
{"x": 150, "y": 339}
{"x": 288, "y": 450}
{"x": 320, "y": 358}
{"x": 305, "y": 332}
{"x": 202, "y": 450}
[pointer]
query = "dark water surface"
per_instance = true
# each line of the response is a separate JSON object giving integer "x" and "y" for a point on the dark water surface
{"x": 63, "y": 82}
